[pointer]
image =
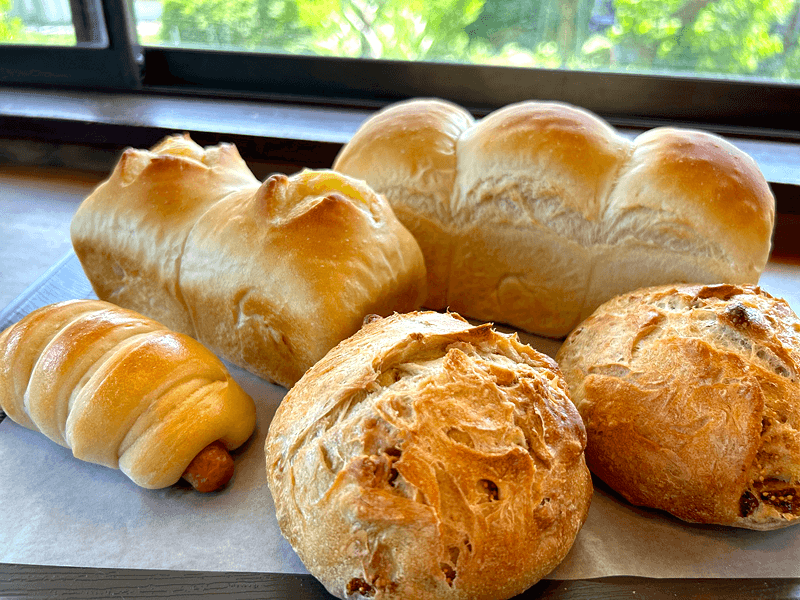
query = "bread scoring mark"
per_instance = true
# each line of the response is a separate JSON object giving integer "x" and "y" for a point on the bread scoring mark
{"x": 651, "y": 327}
{"x": 389, "y": 377}
{"x": 348, "y": 407}
{"x": 729, "y": 317}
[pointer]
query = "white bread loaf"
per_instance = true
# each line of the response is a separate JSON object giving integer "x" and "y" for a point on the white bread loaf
{"x": 120, "y": 390}
{"x": 539, "y": 212}
{"x": 691, "y": 400}
{"x": 270, "y": 276}
{"x": 424, "y": 457}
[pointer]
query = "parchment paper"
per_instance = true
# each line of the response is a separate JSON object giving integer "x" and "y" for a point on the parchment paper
{"x": 55, "y": 510}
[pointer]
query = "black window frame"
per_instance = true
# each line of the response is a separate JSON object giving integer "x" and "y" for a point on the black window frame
{"x": 729, "y": 106}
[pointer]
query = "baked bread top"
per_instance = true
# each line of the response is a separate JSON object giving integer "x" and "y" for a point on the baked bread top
{"x": 268, "y": 275}
{"x": 294, "y": 268}
{"x": 428, "y": 458}
{"x": 691, "y": 401}
{"x": 541, "y": 211}
{"x": 129, "y": 234}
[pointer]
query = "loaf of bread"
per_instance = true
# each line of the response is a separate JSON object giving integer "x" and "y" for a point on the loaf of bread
{"x": 427, "y": 458}
{"x": 691, "y": 401}
{"x": 121, "y": 390}
{"x": 539, "y": 212}
{"x": 269, "y": 276}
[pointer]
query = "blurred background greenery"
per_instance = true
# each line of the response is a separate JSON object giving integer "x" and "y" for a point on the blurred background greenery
{"x": 728, "y": 38}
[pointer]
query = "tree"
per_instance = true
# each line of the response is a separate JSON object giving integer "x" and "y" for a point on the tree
{"x": 738, "y": 37}
{"x": 399, "y": 29}
{"x": 705, "y": 36}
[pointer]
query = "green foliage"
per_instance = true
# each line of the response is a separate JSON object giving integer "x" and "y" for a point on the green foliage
{"x": 705, "y": 36}
{"x": 212, "y": 23}
{"x": 737, "y": 37}
{"x": 395, "y": 29}
{"x": 10, "y": 28}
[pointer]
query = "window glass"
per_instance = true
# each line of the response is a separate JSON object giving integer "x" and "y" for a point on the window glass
{"x": 755, "y": 39}
{"x": 36, "y": 22}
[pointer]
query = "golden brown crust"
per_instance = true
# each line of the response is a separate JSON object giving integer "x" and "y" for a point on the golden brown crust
{"x": 322, "y": 252}
{"x": 549, "y": 212}
{"x": 410, "y": 149}
{"x": 120, "y": 390}
{"x": 269, "y": 276}
{"x": 130, "y": 232}
{"x": 427, "y": 458}
{"x": 691, "y": 401}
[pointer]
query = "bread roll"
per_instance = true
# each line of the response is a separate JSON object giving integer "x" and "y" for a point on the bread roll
{"x": 539, "y": 212}
{"x": 120, "y": 390}
{"x": 427, "y": 458}
{"x": 268, "y": 276}
{"x": 691, "y": 401}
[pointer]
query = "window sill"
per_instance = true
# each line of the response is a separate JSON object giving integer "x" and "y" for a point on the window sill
{"x": 88, "y": 130}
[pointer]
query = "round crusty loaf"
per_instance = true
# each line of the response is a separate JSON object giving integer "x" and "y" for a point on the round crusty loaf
{"x": 691, "y": 401}
{"x": 539, "y": 212}
{"x": 427, "y": 458}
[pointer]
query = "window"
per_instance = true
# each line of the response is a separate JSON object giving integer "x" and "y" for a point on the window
{"x": 36, "y": 22}
{"x": 724, "y": 64}
{"x": 725, "y": 38}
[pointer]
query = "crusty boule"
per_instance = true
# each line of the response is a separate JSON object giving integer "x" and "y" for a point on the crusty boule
{"x": 691, "y": 401}
{"x": 428, "y": 458}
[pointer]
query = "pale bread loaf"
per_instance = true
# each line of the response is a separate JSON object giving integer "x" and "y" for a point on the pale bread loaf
{"x": 539, "y": 212}
{"x": 428, "y": 458}
{"x": 270, "y": 276}
{"x": 691, "y": 400}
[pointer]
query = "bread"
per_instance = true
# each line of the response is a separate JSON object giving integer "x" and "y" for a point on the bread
{"x": 120, "y": 390}
{"x": 427, "y": 458}
{"x": 539, "y": 212}
{"x": 268, "y": 276}
{"x": 691, "y": 401}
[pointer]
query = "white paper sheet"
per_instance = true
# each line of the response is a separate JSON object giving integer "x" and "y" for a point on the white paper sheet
{"x": 55, "y": 510}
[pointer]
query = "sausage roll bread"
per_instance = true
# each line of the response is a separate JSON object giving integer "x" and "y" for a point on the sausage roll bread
{"x": 691, "y": 400}
{"x": 269, "y": 276}
{"x": 539, "y": 212}
{"x": 122, "y": 391}
{"x": 428, "y": 458}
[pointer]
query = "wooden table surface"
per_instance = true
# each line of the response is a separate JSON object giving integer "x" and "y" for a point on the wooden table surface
{"x": 37, "y": 206}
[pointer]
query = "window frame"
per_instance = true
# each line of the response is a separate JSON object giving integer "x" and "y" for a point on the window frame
{"x": 735, "y": 107}
{"x": 101, "y": 60}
